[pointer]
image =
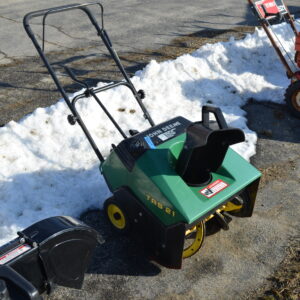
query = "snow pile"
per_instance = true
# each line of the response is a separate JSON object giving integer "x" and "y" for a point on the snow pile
{"x": 47, "y": 166}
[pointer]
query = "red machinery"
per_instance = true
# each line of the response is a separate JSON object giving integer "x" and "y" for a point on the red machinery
{"x": 270, "y": 12}
{"x": 297, "y": 48}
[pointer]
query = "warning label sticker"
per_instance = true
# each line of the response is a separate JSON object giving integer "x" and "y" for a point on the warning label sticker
{"x": 214, "y": 188}
{"x": 14, "y": 253}
{"x": 167, "y": 135}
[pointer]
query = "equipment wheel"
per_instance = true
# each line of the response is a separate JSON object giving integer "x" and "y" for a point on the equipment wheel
{"x": 116, "y": 215}
{"x": 292, "y": 98}
{"x": 197, "y": 234}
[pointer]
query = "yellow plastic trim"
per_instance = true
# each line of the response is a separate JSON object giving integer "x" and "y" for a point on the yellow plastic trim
{"x": 229, "y": 206}
{"x": 198, "y": 241}
{"x": 190, "y": 230}
{"x": 113, "y": 211}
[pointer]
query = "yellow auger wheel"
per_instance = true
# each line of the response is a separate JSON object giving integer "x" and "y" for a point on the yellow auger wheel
{"x": 194, "y": 238}
{"x": 116, "y": 215}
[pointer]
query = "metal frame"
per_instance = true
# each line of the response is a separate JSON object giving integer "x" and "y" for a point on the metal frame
{"x": 89, "y": 91}
{"x": 266, "y": 26}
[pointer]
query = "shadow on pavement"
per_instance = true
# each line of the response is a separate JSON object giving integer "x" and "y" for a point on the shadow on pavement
{"x": 118, "y": 254}
{"x": 275, "y": 123}
{"x": 272, "y": 121}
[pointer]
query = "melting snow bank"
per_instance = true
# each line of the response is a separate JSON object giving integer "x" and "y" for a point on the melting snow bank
{"x": 47, "y": 166}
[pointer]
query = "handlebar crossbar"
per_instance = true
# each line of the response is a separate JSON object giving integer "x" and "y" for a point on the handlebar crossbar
{"x": 75, "y": 117}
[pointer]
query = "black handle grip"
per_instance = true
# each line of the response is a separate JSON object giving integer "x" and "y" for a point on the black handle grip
{"x": 17, "y": 284}
{"x": 45, "y": 12}
{"x": 206, "y": 109}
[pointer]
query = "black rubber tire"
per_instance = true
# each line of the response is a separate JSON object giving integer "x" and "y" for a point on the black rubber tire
{"x": 112, "y": 201}
{"x": 291, "y": 93}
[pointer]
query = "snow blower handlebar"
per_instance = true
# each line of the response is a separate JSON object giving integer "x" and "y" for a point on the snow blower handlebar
{"x": 46, "y": 12}
{"x": 267, "y": 11}
{"x": 92, "y": 92}
{"x": 75, "y": 117}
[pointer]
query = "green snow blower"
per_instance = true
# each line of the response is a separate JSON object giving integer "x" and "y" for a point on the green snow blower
{"x": 168, "y": 181}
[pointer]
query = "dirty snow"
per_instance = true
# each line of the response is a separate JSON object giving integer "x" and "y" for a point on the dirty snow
{"x": 47, "y": 166}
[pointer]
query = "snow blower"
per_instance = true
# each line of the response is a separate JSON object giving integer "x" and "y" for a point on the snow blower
{"x": 269, "y": 13}
{"x": 56, "y": 250}
{"x": 168, "y": 181}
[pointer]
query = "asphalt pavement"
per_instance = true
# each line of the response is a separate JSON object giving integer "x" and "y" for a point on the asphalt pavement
{"x": 133, "y": 25}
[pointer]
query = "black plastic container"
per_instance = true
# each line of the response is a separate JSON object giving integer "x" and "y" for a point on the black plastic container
{"x": 56, "y": 250}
